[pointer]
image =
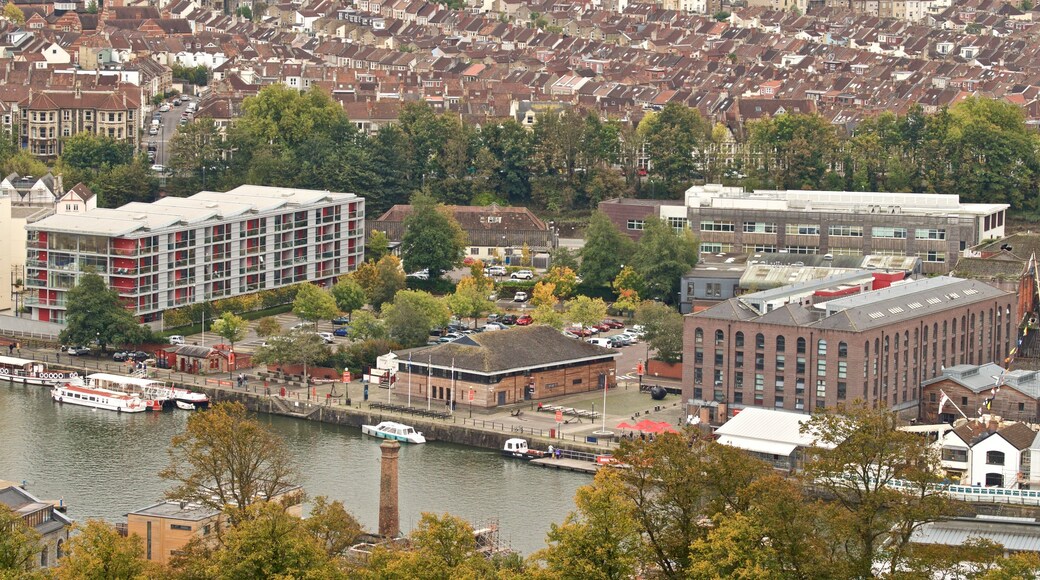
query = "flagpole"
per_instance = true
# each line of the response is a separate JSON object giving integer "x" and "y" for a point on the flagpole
{"x": 429, "y": 381}
{"x": 409, "y": 380}
{"x": 451, "y": 407}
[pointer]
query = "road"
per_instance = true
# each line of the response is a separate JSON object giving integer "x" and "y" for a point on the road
{"x": 167, "y": 130}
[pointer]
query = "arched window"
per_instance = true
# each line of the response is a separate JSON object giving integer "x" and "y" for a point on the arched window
{"x": 843, "y": 350}
{"x": 821, "y": 347}
{"x": 738, "y": 339}
{"x": 61, "y": 548}
{"x": 760, "y": 341}
{"x": 698, "y": 336}
{"x": 719, "y": 337}
{"x": 781, "y": 344}
{"x": 994, "y": 480}
{"x": 994, "y": 458}
{"x": 801, "y": 345}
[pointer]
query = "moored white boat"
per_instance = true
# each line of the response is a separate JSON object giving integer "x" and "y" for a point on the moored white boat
{"x": 32, "y": 372}
{"x": 186, "y": 396}
{"x": 184, "y": 406}
{"x": 98, "y": 398}
{"x": 155, "y": 393}
{"x": 518, "y": 448}
{"x": 394, "y": 431}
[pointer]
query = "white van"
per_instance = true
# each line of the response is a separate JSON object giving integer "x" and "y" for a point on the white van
{"x": 604, "y": 342}
{"x": 176, "y": 339}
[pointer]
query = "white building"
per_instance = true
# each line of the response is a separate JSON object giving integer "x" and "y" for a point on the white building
{"x": 775, "y": 437}
{"x": 985, "y": 452}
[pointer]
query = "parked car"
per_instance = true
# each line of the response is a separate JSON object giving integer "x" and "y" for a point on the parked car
{"x": 326, "y": 336}
{"x": 624, "y": 339}
{"x": 604, "y": 342}
{"x": 164, "y": 107}
{"x": 176, "y": 339}
{"x": 509, "y": 319}
{"x": 524, "y": 320}
{"x": 522, "y": 275}
{"x": 120, "y": 356}
{"x": 340, "y": 320}
{"x": 520, "y": 297}
{"x": 614, "y": 323}
{"x": 569, "y": 334}
{"x": 578, "y": 331}
{"x": 140, "y": 356}
{"x": 637, "y": 330}
{"x": 341, "y": 331}
{"x": 78, "y": 350}
{"x": 617, "y": 342}
{"x": 301, "y": 325}
{"x": 153, "y": 130}
{"x": 495, "y": 271}
{"x": 176, "y": 102}
{"x": 159, "y": 168}
{"x": 468, "y": 261}
{"x": 602, "y": 327}
{"x": 493, "y": 317}
{"x": 420, "y": 275}
{"x": 492, "y": 326}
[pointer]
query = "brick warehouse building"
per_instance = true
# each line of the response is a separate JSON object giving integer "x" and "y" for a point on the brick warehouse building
{"x": 876, "y": 346}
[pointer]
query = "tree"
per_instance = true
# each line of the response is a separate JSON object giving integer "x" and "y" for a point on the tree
{"x": 378, "y": 246}
{"x": 858, "y": 453}
{"x": 268, "y": 326}
{"x": 564, "y": 279}
{"x": 98, "y": 551}
{"x": 601, "y": 540}
{"x": 586, "y": 311}
{"x": 95, "y": 312}
{"x": 565, "y": 257}
{"x": 86, "y": 151}
{"x": 432, "y": 238}
{"x": 543, "y": 298}
{"x": 380, "y": 280}
{"x": 244, "y": 12}
{"x": 544, "y": 294}
{"x": 412, "y": 314}
{"x": 124, "y": 184}
{"x": 605, "y": 251}
{"x": 225, "y": 459}
{"x": 365, "y": 326}
{"x": 676, "y": 138}
{"x": 470, "y": 299}
{"x": 14, "y": 14}
{"x": 333, "y": 526}
{"x": 313, "y": 304}
{"x": 348, "y": 294}
{"x": 196, "y": 148}
{"x": 442, "y": 547}
{"x": 664, "y": 330}
{"x": 629, "y": 279}
{"x": 19, "y": 544}
{"x": 232, "y": 328}
{"x": 662, "y": 257}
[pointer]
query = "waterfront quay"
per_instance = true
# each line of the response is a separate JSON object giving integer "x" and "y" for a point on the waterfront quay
{"x": 579, "y": 428}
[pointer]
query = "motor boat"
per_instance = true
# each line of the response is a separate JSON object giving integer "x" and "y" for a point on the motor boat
{"x": 518, "y": 448}
{"x": 394, "y": 431}
{"x": 185, "y": 406}
{"x": 98, "y": 398}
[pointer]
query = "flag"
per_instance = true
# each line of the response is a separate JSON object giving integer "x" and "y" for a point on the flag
{"x": 942, "y": 401}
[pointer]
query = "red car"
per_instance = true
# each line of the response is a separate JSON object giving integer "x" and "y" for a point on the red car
{"x": 602, "y": 327}
{"x": 524, "y": 320}
{"x": 614, "y": 323}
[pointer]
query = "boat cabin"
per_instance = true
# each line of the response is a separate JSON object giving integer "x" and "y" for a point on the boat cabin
{"x": 10, "y": 365}
{"x": 146, "y": 388}
{"x": 516, "y": 446}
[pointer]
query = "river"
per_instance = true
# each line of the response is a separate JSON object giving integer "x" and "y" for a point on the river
{"x": 106, "y": 464}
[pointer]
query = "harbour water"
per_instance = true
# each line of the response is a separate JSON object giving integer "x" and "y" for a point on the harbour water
{"x": 106, "y": 464}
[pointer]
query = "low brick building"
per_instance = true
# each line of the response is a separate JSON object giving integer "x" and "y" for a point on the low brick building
{"x": 820, "y": 351}
{"x": 968, "y": 387}
{"x": 492, "y": 369}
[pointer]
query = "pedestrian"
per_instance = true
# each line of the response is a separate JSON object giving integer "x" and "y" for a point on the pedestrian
{"x": 57, "y": 357}
{"x": 10, "y": 348}
{"x": 552, "y": 452}
{"x": 559, "y": 453}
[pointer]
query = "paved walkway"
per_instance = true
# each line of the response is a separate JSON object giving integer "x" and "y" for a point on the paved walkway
{"x": 624, "y": 403}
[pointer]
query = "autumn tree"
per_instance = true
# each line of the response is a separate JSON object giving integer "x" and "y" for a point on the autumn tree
{"x": 268, "y": 326}
{"x": 377, "y": 247}
{"x": 335, "y": 529}
{"x": 99, "y": 551}
{"x": 380, "y": 280}
{"x": 14, "y": 14}
{"x": 225, "y": 459}
{"x": 470, "y": 299}
{"x": 411, "y": 316}
{"x": 19, "y": 544}
{"x": 586, "y": 311}
{"x": 313, "y": 304}
{"x": 564, "y": 279}
{"x": 441, "y": 547}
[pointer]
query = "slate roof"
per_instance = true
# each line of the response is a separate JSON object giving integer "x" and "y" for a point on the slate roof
{"x": 500, "y": 352}
{"x": 472, "y": 218}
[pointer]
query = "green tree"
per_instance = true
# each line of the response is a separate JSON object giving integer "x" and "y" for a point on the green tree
{"x": 378, "y": 246}
{"x": 442, "y": 547}
{"x": 676, "y": 138}
{"x": 664, "y": 330}
{"x": 19, "y": 544}
{"x": 601, "y": 540}
{"x": 313, "y": 304}
{"x": 586, "y": 311}
{"x": 412, "y": 314}
{"x": 391, "y": 152}
{"x": 197, "y": 148}
{"x": 87, "y": 151}
{"x": 380, "y": 280}
{"x": 565, "y": 257}
{"x": 244, "y": 12}
{"x": 799, "y": 150}
{"x": 348, "y": 294}
{"x": 225, "y": 459}
{"x": 470, "y": 299}
{"x": 98, "y": 551}
{"x": 605, "y": 251}
{"x": 432, "y": 238}
{"x": 662, "y": 257}
{"x": 268, "y": 326}
{"x": 95, "y": 313}
{"x": 335, "y": 529}
{"x": 629, "y": 279}
{"x": 123, "y": 184}
{"x": 858, "y": 454}
{"x": 505, "y": 168}
{"x": 230, "y": 327}
{"x": 23, "y": 162}
{"x": 365, "y": 326}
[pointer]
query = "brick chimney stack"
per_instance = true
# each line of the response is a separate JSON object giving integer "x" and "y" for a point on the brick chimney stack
{"x": 389, "y": 520}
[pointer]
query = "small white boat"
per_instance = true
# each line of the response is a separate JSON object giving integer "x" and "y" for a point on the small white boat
{"x": 185, "y": 406}
{"x": 98, "y": 398}
{"x": 518, "y": 448}
{"x": 394, "y": 431}
{"x": 186, "y": 396}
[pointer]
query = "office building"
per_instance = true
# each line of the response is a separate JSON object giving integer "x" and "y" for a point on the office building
{"x": 179, "y": 251}
{"x": 821, "y": 347}
{"x": 932, "y": 227}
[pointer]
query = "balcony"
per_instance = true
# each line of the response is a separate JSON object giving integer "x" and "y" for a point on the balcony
{"x": 184, "y": 263}
{"x": 328, "y": 254}
{"x": 254, "y": 232}
{"x": 34, "y": 263}
{"x": 328, "y": 219}
{"x": 126, "y": 252}
{"x": 218, "y": 275}
{"x": 180, "y": 245}
{"x": 34, "y": 283}
{"x": 252, "y": 250}
{"x": 146, "y": 288}
{"x": 217, "y": 239}
{"x": 253, "y": 268}
{"x": 124, "y": 271}
{"x": 36, "y": 244}
{"x": 328, "y": 237}
{"x": 37, "y": 301}
{"x": 190, "y": 280}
